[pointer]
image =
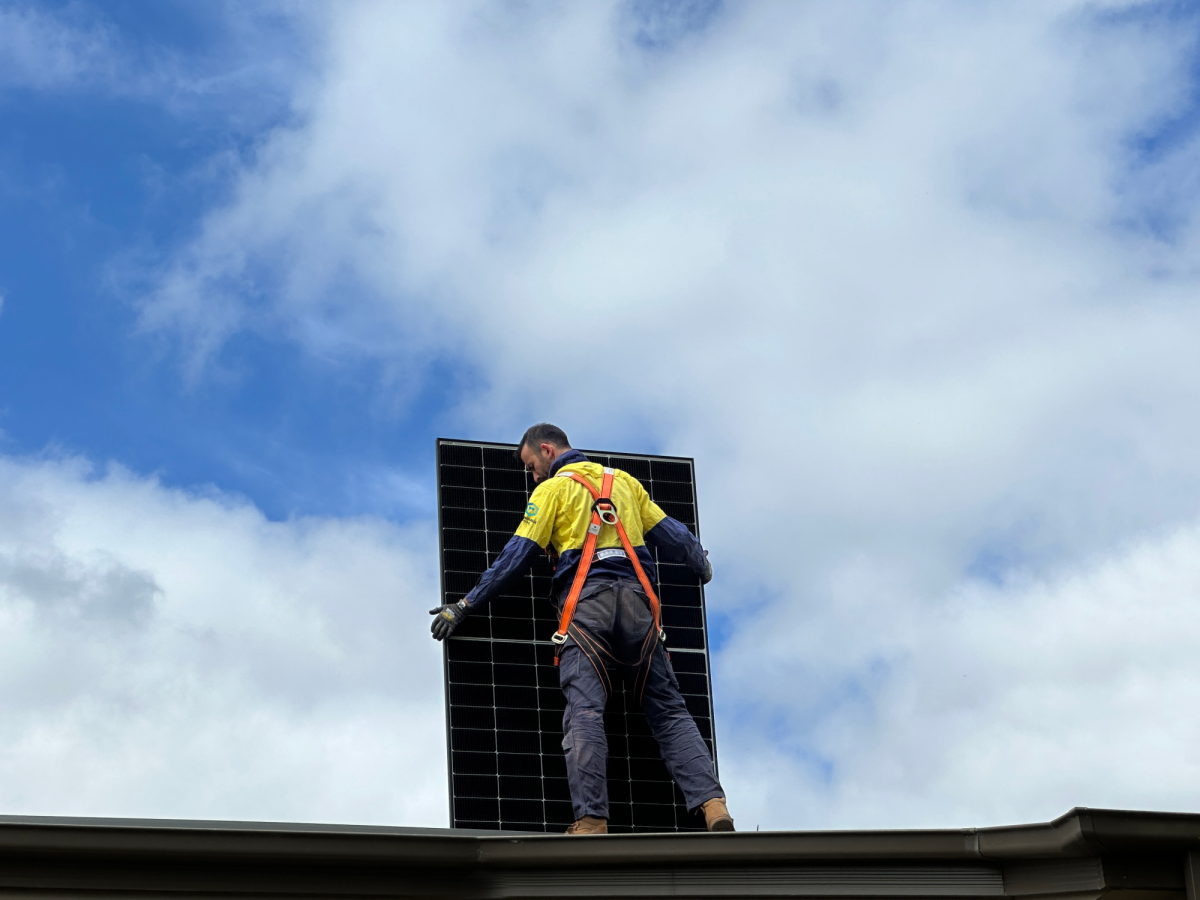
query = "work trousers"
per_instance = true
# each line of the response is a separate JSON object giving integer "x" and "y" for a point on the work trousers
{"x": 616, "y": 618}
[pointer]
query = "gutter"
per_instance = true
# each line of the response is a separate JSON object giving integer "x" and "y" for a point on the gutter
{"x": 1079, "y": 833}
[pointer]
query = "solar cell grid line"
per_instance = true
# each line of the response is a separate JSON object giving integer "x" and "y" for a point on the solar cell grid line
{"x": 503, "y": 703}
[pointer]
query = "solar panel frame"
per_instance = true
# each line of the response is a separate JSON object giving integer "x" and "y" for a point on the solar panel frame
{"x": 503, "y": 703}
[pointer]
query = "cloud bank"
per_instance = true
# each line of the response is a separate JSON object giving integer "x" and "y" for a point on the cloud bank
{"x": 995, "y": 705}
{"x": 903, "y": 247}
{"x": 173, "y": 654}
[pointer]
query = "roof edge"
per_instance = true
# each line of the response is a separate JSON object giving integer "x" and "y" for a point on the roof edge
{"x": 1080, "y": 832}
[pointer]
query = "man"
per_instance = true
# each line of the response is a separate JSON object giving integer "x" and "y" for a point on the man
{"x": 614, "y": 625}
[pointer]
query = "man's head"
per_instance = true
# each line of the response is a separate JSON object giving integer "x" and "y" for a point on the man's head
{"x": 540, "y": 446}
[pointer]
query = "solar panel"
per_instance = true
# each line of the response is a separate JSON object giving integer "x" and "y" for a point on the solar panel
{"x": 504, "y": 707}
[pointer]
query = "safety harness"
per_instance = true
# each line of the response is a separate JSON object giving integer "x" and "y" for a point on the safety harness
{"x": 604, "y": 512}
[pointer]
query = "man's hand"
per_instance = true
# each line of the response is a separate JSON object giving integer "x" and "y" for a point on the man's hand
{"x": 448, "y": 618}
{"x": 706, "y": 577}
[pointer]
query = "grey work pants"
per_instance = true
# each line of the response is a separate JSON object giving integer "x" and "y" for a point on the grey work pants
{"x": 616, "y": 616}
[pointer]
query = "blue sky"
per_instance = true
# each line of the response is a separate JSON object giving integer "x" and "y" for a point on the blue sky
{"x": 914, "y": 283}
{"x": 99, "y": 188}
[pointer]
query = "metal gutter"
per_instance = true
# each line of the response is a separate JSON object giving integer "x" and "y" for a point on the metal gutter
{"x": 1086, "y": 854}
{"x": 266, "y": 841}
{"x": 1081, "y": 832}
{"x": 764, "y": 847}
{"x": 1089, "y": 832}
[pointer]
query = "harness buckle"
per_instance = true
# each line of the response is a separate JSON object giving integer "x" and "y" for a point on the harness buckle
{"x": 558, "y": 638}
{"x": 662, "y": 635}
{"x": 608, "y": 515}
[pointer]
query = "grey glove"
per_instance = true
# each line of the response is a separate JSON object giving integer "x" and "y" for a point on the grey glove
{"x": 706, "y": 577}
{"x": 448, "y": 618}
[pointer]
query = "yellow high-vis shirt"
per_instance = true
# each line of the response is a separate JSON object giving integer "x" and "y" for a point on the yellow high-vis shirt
{"x": 560, "y": 510}
{"x": 557, "y": 517}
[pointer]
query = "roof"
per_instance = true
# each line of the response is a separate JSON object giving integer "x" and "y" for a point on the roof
{"x": 1141, "y": 855}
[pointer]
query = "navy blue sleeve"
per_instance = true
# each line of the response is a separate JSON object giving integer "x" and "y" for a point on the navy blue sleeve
{"x": 515, "y": 559}
{"x": 678, "y": 545}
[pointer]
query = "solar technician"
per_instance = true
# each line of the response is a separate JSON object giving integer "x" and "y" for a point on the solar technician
{"x": 600, "y": 523}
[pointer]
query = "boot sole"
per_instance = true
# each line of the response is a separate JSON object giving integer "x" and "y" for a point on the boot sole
{"x": 722, "y": 825}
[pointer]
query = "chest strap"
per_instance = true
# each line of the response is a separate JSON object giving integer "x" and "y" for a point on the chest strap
{"x": 604, "y": 512}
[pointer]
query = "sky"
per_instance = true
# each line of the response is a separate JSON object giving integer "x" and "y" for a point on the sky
{"x": 916, "y": 284}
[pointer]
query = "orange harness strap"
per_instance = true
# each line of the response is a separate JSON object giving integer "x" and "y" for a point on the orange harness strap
{"x": 604, "y": 512}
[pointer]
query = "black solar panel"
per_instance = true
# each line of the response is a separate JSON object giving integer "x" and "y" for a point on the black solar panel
{"x": 503, "y": 704}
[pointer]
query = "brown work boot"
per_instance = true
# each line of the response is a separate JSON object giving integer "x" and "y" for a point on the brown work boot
{"x": 592, "y": 825}
{"x": 716, "y": 815}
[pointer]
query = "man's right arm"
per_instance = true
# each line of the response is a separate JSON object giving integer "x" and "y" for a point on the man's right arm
{"x": 671, "y": 537}
{"x": 676, "y": 544}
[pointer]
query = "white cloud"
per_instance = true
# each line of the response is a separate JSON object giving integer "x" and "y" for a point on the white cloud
{"x": 172, "y": 654}
{"x": 882, "y": 269}
{"x": 993, "y": 706}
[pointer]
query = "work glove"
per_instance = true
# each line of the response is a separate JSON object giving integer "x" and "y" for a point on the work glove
{"x": 706, "y": 576}
{"x": 448, "y": 618}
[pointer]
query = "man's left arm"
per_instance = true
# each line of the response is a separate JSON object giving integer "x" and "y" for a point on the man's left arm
{"x": 517, "y": 557}
{"x": 514, "y": 560}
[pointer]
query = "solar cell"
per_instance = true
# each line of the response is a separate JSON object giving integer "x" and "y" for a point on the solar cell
{"x": 503, "y": 703}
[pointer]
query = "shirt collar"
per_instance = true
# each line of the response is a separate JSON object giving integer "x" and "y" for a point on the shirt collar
{"x": 571, "y": 456}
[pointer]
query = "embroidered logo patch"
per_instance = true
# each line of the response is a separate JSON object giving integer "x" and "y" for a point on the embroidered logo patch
{"x": 531, "y": 511}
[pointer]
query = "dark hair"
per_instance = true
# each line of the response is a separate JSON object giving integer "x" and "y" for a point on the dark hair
{"x": 543, "y": 433}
